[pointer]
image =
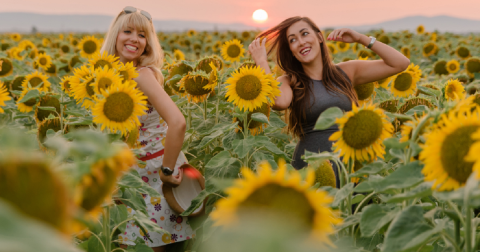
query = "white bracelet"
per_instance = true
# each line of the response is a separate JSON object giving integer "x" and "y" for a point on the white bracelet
{"x": 372, "y": 40}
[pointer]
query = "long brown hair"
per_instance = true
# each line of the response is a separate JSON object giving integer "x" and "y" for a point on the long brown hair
{"x": 299, "y": 80}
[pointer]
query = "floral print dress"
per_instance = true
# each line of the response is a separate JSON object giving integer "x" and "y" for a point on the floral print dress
{"x": 153, "y": 130}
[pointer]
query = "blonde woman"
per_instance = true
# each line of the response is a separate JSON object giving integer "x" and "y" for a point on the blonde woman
{"x": 132, "y": 38}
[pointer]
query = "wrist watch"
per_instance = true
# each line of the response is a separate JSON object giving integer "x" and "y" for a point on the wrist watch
{"x": 372, "y": 40}
{"x": 166, "y": 170}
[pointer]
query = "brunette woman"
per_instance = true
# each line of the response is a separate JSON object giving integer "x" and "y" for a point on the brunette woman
{"x": 312, "y": 83}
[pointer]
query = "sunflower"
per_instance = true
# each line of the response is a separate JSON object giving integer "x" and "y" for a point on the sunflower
{"x": 453, "y": 66}
{"x": 472, "y": 66}
{"x": 413, "y": 102}
{"x": 342, "y": 46}
{"x": 47, "y": 101}
{"x": 204, "y": 64}
{"x": 44, "y": 126}
{"x": 36, "y": 80}
{"x": 332, "y": 48}
{"x": 101, "y": 60}
{"x": 405, "y": 50}
{"x": 16, "y": 85}
{"x": 403, "y": 84}
{"x": 420, "y": 29}
{"x": 44, "y": 61}
{"x": 248, "y": 88}
{"x": 196, "y": 86}
{"x": 275, "y": 85}
{"x": 440, "y": 67}
{"x": 383, "y": 82}
{"x": 104, "y": 78}
{"x": 361, "y": 134}
{"x": 433, "y": 36}
{"x": 7, "y": 67}
{"x": 232, "y": 50}
{"x": 212, "y": 78}
{"x": 65, "y": 48}
{"x": 472, "y": 155}
{"x": 389, "y": 106}
{"x": 178, "y": 55}
{"x": 15, "y": 37}
{"x": 119, "y": 108}
{"x": 3, "y": 96}
{"x": 75, "y": 60}
{"x": 446, "y": 147}
{"x": 429, "y": 49}
{"x": 254, "y": 127}
{"x": 365, "y": 92}
{"x": 364, "y": 54}
{"x": 27, "y": 106}
{"x": 324, "y": 174}
{"x": 127, "y": 71}
{"x": 83, "y": 90}
{"x": 462, "y": 52}
{"x": 65, "y": 84}
{"x": 180, "y": 69}
{"x": 273, "y": 194}
{"x": 52, "y": 70}
{"x": 15, "y": 53}
{"x": 454, "y": 90}
{"x": 407, "y": 128}
{"x": 89, "y": 45}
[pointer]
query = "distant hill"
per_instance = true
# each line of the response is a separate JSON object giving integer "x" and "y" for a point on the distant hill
{"x": 440, "y": 23}
{"x": 24, "y": 22}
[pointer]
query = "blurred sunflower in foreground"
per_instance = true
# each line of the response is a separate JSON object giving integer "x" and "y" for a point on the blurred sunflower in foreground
{"x": 278, "y": 195}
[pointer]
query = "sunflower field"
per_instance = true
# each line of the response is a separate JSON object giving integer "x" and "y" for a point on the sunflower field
{"x": 408, "y": 155}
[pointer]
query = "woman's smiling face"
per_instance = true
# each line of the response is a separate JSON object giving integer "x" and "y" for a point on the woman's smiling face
{"x": 303, "y": 41}
{"x": 130, "y": 44}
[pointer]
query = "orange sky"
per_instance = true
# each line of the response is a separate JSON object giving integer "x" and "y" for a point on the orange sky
{"x": 323, "y": 12}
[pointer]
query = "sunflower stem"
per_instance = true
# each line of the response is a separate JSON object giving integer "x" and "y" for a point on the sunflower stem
{"x": 457, "y": 230}
{"x": 106, "y": 228}
{"x": 205, "y": 110}
{"x": 189, "y": 117}
{"x": 468, "y": 228}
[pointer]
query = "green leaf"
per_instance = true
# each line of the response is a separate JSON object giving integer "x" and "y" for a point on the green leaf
{"x": 130, "y": 180}
{"x": 404, "y": 177}
{"x": 312, "y": 156}
{"x": 417, "y": 110}
{"x": 342, "y": 194}
{"x": 143, "y": 248}
{"x": 260, "y": 117}
{"x": 23, "y": 234}
{"x": 350, "y": 221}
{"x": 208, "y": 139}
{"x": 408, "y": 230}
{"x": 327, "y": 118}
{"x": 422, "y": 190}
{"x": 34, "y": 93}
{"x": 399, "y": 116}
{"x": 263, "y": 141}
{"x": 374, "y": 217}
{"x": 398, "y": 153}
{"x": 198, "y": 201}
{"x": 371, "y": 169}
{"x": 134, "y": 200}
{"x": 119, "y": 213}
{"x": 243, "y": 146}
{"x": 223, "y": 165}
{"x": 142, "y": 219}
{"x": 357, "y": 198}
{"x": 276, "y": 121}
{"x": 394, "y": 143}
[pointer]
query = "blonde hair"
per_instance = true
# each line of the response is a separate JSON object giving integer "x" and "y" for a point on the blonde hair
{"x": 153, "y": 55}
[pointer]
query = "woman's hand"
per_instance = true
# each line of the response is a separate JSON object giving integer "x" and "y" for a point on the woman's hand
{"x": 345, "y": 35}
{"x": 258, "y": 50}
{"x": 172, "y": 180}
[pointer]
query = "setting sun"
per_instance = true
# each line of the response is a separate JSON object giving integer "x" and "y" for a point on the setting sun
{"x": 260, "y": 16}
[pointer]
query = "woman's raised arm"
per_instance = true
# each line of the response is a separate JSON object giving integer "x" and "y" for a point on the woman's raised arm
{"x": 365, "y": 71}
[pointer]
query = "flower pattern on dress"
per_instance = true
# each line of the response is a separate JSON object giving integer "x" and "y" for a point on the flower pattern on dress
{"x": 158, "y": 207}
{"x": 179, "y": 219}
{"x": 174, "y": 237}
{"x": 145, "y": 179}
{"x": 173, "y": 217}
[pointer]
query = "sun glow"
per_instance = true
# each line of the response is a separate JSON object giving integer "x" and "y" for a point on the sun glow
{"x": 260, "y": 16}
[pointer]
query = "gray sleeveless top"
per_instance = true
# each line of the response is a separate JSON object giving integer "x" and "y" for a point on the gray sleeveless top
{"x": 317, "y": 140}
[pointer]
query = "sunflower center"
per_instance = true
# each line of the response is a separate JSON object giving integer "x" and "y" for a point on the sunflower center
{"x": 463, "y": 52}
{"x": 473, "y": 65}
{"x": 35, "y": 81}
{"x": 364, "y": 91}
{"x": 233, "y": 51}
{"x": 101, "y": 63}
{"x": 454, "y": 149}
{"x": 89, "y": 88}
{"x": 451, "y": 90}
{"x": 65, "y": 49}
{"x": 248, "y": 87}
{"x": 362, "y": 129}
{"x": 30, "y": 102}
{"x": 66, "y": 85}
{"x": 194, "y": 85}
{"x": 90, "y": 47}
{"x": 6, "y": 67}
{"x": 118, "y": 107}
{"x": 284, "y": 202}
{"x": 43, "y": 61}
{"x": 427, "y": 49}
{"x": 403, "y": 82}
{"x": 452, "y": 67}
{"x": 125, "y": 76}
{"x": 104, "y": 83}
